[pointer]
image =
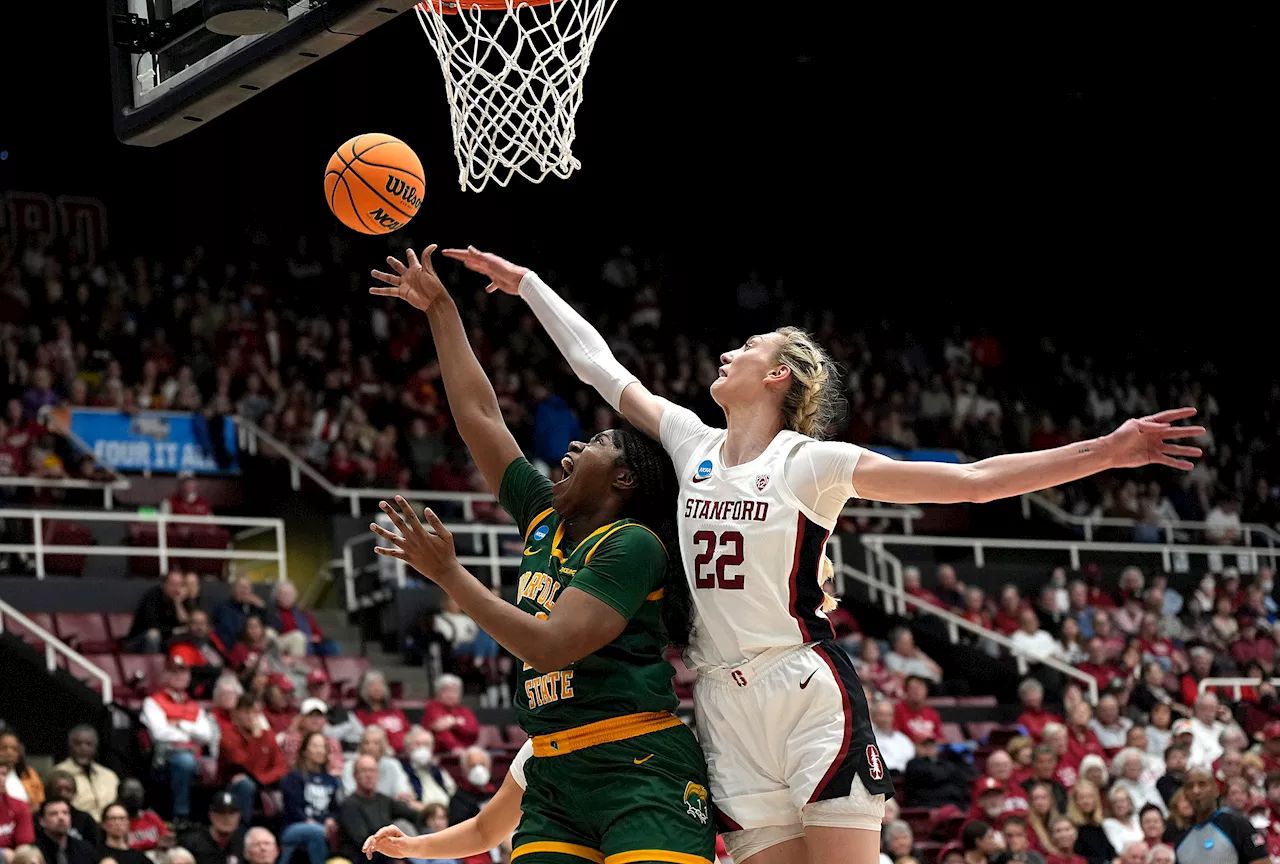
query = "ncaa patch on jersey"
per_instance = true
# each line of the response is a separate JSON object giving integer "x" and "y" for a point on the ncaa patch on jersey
{"x": 762, "y": 481}
{"x": 703, "y": 472}
{"x": 540, "y": 533}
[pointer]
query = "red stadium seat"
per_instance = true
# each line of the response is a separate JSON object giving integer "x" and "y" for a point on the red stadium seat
{"x": 143, "y": 534}
{"x": 40, "y": 619}
{"x": 59, "y": 532}
{"x": 919, "y": 818}
{"x": 118, "y": 624}
{"x": 1002, "y": 735}
{"x": 345, "y": 673}
{"x": 107, "y": 663}
{"x": 85, "y": 631}
{"x": 142, "y": 672}
{"x": 490, "y": 738}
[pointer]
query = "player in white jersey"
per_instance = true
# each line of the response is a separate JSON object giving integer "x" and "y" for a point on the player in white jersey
{"x": 795, "y": 773}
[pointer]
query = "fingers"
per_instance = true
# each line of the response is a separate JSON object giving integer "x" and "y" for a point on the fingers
{"x": 411, "y": 257}
{"x": 395, "y": 516}
{"x": 407, "y": 509}
{"x": 426, "y": 258}
{"x": 385, "y": 534}
{"x": 389, "y": 278}
{"x": 1180, "y": 464}
{"x": 1182, "y": 432}
{"x": 1180, "y": 450}
{"x": 436, "y": 525}
{"x": 394, "y": 263}
{"x": 384, "y": 292}
{"x": 491, "y": 287}
{"x": 390, "y": 553}
{"x": 1172, "y": 414}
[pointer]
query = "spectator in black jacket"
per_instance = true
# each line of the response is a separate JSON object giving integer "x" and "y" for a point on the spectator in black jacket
{"x": 161, "y": 612}
{"x": 54, "y": 839}
{"x": 931, "y": 781}
{"x": 365, "y": 811}
{"x": 475, "y": 788}
{"x": 1176, "y": 757}
{"x": 62, "y": 786}
{"x": 222, "y": 842}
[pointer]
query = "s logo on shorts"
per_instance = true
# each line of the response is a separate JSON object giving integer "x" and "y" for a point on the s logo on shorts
{"x": 695, "y": 799}
{"x": 540, "y": 533}
{"x": 875, "y": 767}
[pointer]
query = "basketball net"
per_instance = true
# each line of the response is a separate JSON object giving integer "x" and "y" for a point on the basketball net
{"x": 513, "y": 73}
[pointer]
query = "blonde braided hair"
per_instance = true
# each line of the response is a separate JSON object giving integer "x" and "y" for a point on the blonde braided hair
{"x": 813, "y": 400}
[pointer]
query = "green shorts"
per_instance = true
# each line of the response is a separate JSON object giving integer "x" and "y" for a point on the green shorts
{"x": 633, "y": 801}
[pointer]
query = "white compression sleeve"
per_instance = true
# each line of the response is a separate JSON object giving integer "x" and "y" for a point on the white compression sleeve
{"x": 585, "y": 349}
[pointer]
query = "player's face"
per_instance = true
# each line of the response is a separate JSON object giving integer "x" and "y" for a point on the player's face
{"x": 746, "y": 371}
{"x": 591, "y": 470}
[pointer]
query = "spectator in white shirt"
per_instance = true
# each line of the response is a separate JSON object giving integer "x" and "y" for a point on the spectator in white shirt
{"x": 1207, "y": 727}
{"x": 392, "y": 781}
{"x": 906, "y": 659}
{"x": 180, "y": 731}
{"x": 1033, "y": 643}
{"x": 896, "y": 749}
{"x": 1108, "y": 725}
{"x": 1128, "y": 770}
{"x": 1223, "y": 523}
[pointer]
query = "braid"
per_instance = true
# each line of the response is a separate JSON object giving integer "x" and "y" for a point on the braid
{"x": 813, "y": 401}
{"x": 653, "y": 503}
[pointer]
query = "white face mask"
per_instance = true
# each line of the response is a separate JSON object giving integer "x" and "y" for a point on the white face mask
{"x": 1266, "y": 587}
{"x": 478, "y": 776}
{"x": 420, "y": 757}
{"x": 1261, "y": 821}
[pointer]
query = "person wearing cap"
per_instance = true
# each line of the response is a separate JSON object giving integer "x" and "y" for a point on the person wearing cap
{"x": 935, "y": 782}
{"x": 202, "y": 649}
{"x": 249, "y": 758}
{"x": 311, "y": 719}
{"x": 342, "y": 725}
{"x": 1176, "y": 757}
{"x": 1217, "y": 835}
{"x": 222, "y": 841}
{"x": 987, "y": 806}
{"x": 311, "y": 797}
{"x": 180, "y": 731}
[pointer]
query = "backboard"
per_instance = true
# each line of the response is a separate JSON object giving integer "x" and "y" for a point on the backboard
{"x": 171, "y": 73}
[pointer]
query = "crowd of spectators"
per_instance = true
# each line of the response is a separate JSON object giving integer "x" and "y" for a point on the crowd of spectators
{"x": 350, "y": 383}
{"x": 1102, "y": 781}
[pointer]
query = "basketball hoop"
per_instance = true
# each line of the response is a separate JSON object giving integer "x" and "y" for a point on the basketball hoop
{"x": 513, "y": 73}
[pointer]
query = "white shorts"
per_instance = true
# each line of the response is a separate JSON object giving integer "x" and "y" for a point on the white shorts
{"x": 788, "y": 742}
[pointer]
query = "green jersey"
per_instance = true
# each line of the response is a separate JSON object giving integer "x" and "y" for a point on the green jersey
{"x": 622, "y": 564}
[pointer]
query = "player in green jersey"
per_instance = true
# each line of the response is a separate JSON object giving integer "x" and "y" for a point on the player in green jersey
{"x": 615, "y": 777}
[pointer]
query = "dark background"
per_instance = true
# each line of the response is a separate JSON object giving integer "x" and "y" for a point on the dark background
{"x": 1060, "y": 169}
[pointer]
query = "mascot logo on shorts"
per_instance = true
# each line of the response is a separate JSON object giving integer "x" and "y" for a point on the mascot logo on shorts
{"x": 875, "y": 767}
{"x": 695, "y": 798}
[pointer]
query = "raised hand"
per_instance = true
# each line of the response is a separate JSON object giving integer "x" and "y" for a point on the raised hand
{"x": 428, "y": 552}
{"x": 390, "y": 841}
{"x": 503, "y": 275}
{"x": 414, "y": 282}
{"x": 1152, "y": 441}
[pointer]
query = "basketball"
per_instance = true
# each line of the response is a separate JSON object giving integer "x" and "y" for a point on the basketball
{"x": 374, "y": 184}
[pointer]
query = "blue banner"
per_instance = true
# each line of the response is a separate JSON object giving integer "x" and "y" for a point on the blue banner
{"x": 160, "y": 441}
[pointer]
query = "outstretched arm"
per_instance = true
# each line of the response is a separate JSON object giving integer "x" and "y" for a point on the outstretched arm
{"x": 1145, "y": 441}
{"x": 585, "y": 349}
{"x": 472, "y": 402}
{"x": 475, "y": 836}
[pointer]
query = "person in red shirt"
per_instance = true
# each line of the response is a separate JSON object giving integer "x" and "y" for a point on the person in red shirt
{"x": 1034, "y": 717}
{"x": 147, "y": 830}
{"x": 1252, "y": 646}
{"x": 1154, "y": 646}
{"x": 16, "y": 827}
{"x": 253, "y": 644}
{"x": 188, "y": 502}
{"x": 1006, "y": 620}
{"x": 1000, "y": 768}
{"x": 13, "y": 459}
{"x": 1271, "y": 747}
{"x": 975, "y": 611}
{"x": 278, "y": 708}
{"x": 1098, "y": 598}
{"x": 1104, "y": 628}
{"x": 1081, "y": 740}
{"x": 911, "y": 584}
{"x": 454, "y": 724}
{"x": 249, "y": 759}
{"x": 1201, "y": 668}
{"x": 376, "y": 709}
{"x": 1098, "y": 665}
{"x": 915, "y": 719}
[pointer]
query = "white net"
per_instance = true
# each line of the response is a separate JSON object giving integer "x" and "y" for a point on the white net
{"x": 513, "y": 77}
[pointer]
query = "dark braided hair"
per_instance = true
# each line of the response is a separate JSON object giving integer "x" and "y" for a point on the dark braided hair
{"x": 653, "y": 503}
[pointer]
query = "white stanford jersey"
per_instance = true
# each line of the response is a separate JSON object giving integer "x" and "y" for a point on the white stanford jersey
{"x": 751, "y": 545}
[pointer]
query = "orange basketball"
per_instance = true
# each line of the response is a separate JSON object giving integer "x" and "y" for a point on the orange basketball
{"x": 374, "y": 184}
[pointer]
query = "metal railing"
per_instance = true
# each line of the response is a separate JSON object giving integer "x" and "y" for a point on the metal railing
{"x": 877, "y": 562}
{"x": 53, "y": 647}
{"x": 108, "y": 488}
{"x": 1235, "y": 684}
{"x": 162, "y": 550}
{"x": 252, "y": 437}
{"x": 1170, "y": 528}
{"x": 955, "y": 624}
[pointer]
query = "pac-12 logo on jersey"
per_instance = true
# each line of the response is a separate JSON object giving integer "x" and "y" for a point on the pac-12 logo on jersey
{"x": 695, "y": 798}
{"x": 703, "y": 472}
{"x": 875, "y": 767}
{"x": 762, "y": 480}
{"x": 540, "y": 533}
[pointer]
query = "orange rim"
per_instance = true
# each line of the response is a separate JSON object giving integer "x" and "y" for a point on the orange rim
{"x": 451, "y": 7}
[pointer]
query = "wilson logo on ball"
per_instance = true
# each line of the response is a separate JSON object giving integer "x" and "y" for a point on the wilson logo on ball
{"x": 408, "y": 194}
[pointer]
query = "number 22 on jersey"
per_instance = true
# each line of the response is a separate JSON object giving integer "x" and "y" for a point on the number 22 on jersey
{"x": 729, "y": 546}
